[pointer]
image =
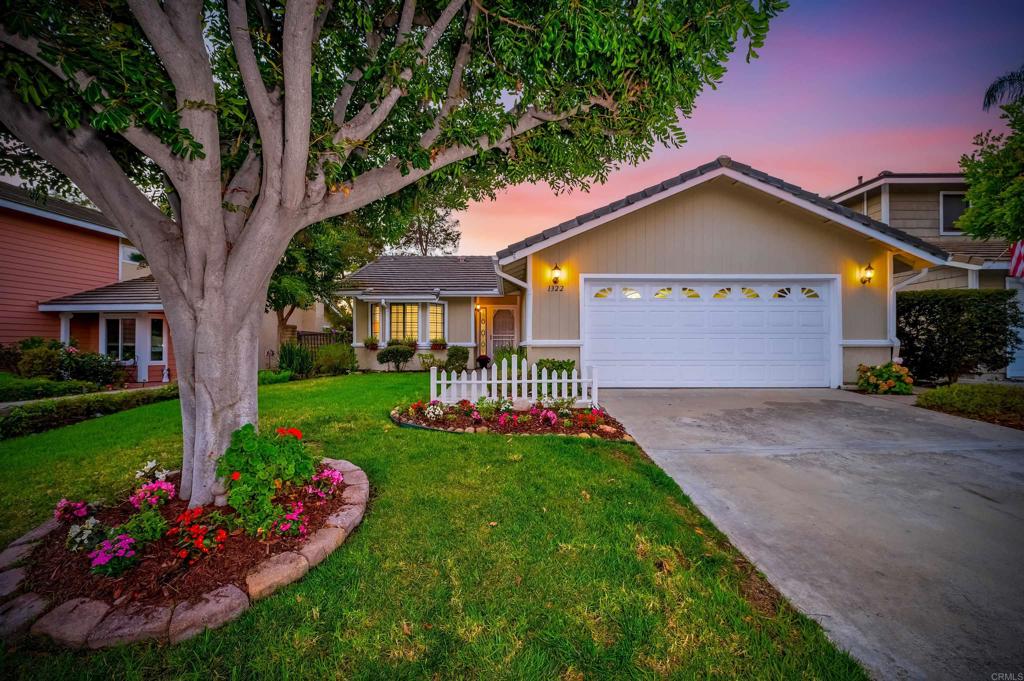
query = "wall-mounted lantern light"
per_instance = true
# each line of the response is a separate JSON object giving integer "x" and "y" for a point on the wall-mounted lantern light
{"x": 868, "y": 275}
{"x": 556, "y": 273}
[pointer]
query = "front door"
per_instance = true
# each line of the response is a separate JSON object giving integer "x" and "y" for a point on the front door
{"x": 503, "y": 329}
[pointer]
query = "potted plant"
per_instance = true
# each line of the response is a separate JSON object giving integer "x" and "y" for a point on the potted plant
{"x": 438, "y": 344}
{"x": 482, "y": 361}
{"x": 410, "y": 342}
{"x": 371, "y": 342}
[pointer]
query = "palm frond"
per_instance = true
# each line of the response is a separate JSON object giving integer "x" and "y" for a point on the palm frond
{"x": 1007, "y": 88}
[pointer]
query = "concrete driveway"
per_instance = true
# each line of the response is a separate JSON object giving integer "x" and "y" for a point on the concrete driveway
{"x": 899, "y": 529}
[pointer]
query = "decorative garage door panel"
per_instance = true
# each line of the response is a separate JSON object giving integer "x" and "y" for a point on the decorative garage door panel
{"x": 681, "y": 333}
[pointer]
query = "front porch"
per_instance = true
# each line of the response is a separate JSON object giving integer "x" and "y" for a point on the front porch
{"x": 123, "y": 320}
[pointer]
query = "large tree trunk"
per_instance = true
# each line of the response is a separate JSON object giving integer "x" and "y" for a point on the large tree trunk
{"x": 217, "y": 362}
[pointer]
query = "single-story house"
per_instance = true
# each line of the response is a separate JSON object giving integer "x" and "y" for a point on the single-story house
{"x": 721, "y": 276}
{"x": 66, "y": 272}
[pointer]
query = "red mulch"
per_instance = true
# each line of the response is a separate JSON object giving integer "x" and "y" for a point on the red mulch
{"x": 160, "y": 577}
{"x": 534, "y": 427}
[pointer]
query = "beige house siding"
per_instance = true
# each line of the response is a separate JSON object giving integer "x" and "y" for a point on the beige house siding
{"x": 715, "y": 228}
{"x": 936, "y": 278}
{"x": 992, "y": 278}
{"x": 914, "y": 208}
{"x": 872, "y": 207}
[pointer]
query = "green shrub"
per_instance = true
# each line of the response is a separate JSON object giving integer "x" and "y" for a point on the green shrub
{"x": 336, "y": 359}
{"x": 146, "y": 526}
{"x": 296, "y": 359}
{"x": 10, "y": 355}
{"x": 947, "y": 333}
{"x": 507, "y": 353}
{"x": 256, "y": 467}
{"x": 395, "y": 355}
{"x": 556, "y": 366}
{"x": 266, "y": 377}
{"x": 37, "y": 417}
{"x": 428, "y": 361}
{"x": 976, "y": 400}
{"x": 94, "y": 367}
{"x": 458, "y": 358}
{"x": 885, "y": 379}
{"x": 14, "y": 388}
{"x": 33, "y": 342}
{"x": 40, "y": 362}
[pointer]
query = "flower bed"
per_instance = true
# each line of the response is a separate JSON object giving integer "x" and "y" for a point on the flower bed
{"x": 150, "y": 567}
{"x": 550, "y": 417}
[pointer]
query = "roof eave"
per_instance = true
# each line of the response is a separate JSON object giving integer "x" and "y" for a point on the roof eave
{"x": 100, "y": 307}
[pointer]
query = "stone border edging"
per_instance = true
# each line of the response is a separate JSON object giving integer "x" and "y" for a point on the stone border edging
{"x": 83, "y": 622}
{"x": 401, "y": 422}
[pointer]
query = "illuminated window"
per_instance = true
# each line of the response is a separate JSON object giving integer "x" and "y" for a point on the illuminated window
{"x": 604, "y": 293}
{"x": 690, "y": 293}
{"x": 782, "y": 293}
{"x": 809, "y": 293}
{"x": 375, "y": 320}
{"x": 436, "y": 320}
{"x": 405, "y": 321}
{"x": 749, "y": 293}
{"x": 722, "y": 293}
{"x": 630, "y": 293}
{"x": 664, "y": 293}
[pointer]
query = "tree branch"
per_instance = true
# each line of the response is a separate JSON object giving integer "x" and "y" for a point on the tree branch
{"x": 85, "y": 160}
{"x": 140, "y": 138}
{"x": 297, "y": 59}
{"x": 240, "y": 193}
{"x": 454, "y": 93}
{"x": 370, "y": 118}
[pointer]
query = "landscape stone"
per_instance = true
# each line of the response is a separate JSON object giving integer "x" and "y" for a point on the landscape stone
{"x": 320, "y": 544}
{"x": 470, "y": 429}
{"x": 585, "y": 435}
{"x": 11, "y": 580}
{"x": 14, "y": 554}
{"x": 341, "y": 465}
{"x": 71, "y": 622}
{"x": 17, "y": 614}
{"x": 605, "y": 428}
{"x": 131, "y": 623}
{"x": 628, "y": 438}
{"x": 481, "y": 429}
{"x": 275, "y": 572}
{"x": 522, "y": 404}
{"x": 214, "y": 609}
{"x": 356, "y": 494}
{"x": 37, "y": 533}
{"x": 356, "y": 477}
{"x": 347, "y": 518}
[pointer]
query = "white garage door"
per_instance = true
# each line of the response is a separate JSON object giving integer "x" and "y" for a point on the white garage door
{"x": 703, "y": 333}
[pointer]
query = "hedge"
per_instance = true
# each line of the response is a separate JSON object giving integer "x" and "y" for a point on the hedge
{"x": 15, "y": 388}
{"x": 37, "y": 417}
{"x": 976, "y": 400}
{"x": 947, "y": 333}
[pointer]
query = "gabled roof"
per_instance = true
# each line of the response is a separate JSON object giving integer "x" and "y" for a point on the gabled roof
{"x": 21, "y": 200}
{"x": 889, "y": 177}
{"x": 412, "y": 275}
{"x": 130, "y": 295}
{"x": 724, "y": 165}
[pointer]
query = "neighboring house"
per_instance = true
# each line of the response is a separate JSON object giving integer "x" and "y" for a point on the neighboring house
{"x": 927, "y": 205}
{"x": 66, "y": 272}
{"x": 721, "y": 276}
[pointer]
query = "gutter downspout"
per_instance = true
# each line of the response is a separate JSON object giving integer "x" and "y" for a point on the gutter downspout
{"x": 528, "y": 298}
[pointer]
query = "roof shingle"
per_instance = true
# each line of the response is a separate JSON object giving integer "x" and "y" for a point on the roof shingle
{"x": 425, "y": 275}
{"x": 142, "y": 292}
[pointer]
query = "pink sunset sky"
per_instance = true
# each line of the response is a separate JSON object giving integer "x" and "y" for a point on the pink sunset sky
{"x": 841, "y": 89}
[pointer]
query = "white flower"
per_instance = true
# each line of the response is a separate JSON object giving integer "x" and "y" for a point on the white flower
{"x": 434, "y": 412}
{"x": 161, "y": 474}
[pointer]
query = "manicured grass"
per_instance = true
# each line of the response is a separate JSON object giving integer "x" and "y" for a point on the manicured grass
{"x": 480, "y": 557}
{"x": 1002, "y": 404}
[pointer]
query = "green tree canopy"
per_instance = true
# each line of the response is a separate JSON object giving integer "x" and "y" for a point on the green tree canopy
{"x": 994, "y": 172}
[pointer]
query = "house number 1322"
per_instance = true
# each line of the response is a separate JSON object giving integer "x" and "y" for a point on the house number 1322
{"x": 556, "y": 288}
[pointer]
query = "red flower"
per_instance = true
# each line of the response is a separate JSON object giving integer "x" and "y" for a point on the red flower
{"x": 173, "y": 531}
{"x": 236, "y": 475}
{"x": 221, "y": 535}
{"x": 294, "y": 432}
{"x": 182, "y": 554}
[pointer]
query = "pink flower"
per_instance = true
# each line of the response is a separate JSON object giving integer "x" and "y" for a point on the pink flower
{"x": 153, "y": 493}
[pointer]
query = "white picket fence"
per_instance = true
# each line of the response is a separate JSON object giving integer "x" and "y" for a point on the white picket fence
{"x": 516, "y": 380}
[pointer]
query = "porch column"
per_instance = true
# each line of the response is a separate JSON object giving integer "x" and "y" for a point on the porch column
{"x": 65, "y": 327}
{"x": 143, "y": 336}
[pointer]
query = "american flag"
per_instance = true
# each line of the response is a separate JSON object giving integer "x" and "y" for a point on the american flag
{"x": 1017, "y": 260}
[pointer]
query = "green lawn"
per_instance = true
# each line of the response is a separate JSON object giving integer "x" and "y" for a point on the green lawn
{"x": 598, "y": 566}
{"x": 992, "y": 402}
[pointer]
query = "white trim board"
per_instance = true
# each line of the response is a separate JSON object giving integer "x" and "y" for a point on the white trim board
{"x": 97, "y": 307}
{"x": 771, "y": 190}
{"x": 878, "y": 182}
{"x": 835, "y": 321}
{"x": 943, "y": 232}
